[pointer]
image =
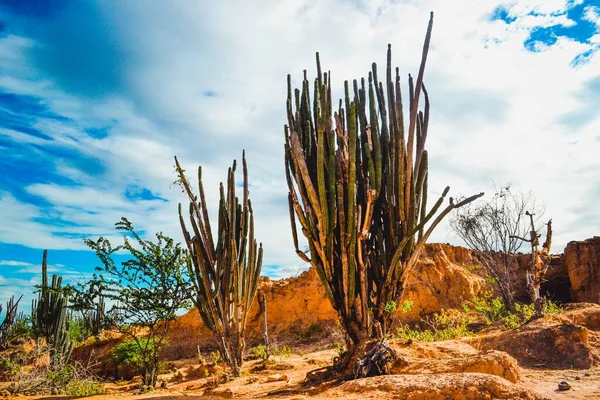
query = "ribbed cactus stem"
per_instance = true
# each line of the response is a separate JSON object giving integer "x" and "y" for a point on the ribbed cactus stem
{"x": 51, "y": 317}
{"x": 224, "y": 274}
{"x": 358, "y": 184}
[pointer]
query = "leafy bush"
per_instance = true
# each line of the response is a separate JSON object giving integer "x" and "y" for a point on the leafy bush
{"x": 78, "y": 332}
{"x": 9, "y": 369}
{"x": 445, "y": 325}
{"x": 259, "y": 352}
{"x": 84, "y": 387}
{"x": 473, "y": 268}
{"x": 494, "y": 311}
{"x": 455, "y": 324}
{"x": 283, "y": 351}
{"x": 216, "y": 357}
{"x": 131, "y": 353}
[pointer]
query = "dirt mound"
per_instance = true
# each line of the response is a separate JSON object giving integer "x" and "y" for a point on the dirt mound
{"x": 582, "y": 260}
{"x": 467, "y": 386}
{"x": 490, "y": 362}
{"x": 559, "y": 346}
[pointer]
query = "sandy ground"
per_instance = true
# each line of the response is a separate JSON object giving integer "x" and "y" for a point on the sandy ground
{"x": 293, "y": 384}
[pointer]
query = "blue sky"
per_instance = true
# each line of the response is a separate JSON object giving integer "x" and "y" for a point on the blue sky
{"x": 97, "y": 97}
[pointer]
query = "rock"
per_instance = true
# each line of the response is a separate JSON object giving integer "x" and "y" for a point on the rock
{"x": 226, "y": 393}
{"x": 563, "y": 386}
{"x": 466, "y": 386}
{"x": 277, "y": 378}
{"x": 582, "y": 260}
{"x": 439, "y": 280}
{"x": 561, "y": 346}
{"x": 491, "y": 362}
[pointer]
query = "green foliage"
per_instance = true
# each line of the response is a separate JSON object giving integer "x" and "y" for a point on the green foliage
{"x": 407, "y": 306}
{"x": 494, "y": 311}
{"x": 473, "y": 268}
{"x": 83, "y": 388}
{"x": 551, "y": 307}
{"x": 9, "y": 368}
{"x": 259, "y": 352}
{"x": 341, "y": 349}
{"x": 20, "y": 330}
{"x": 283, "y": 351}
{"x": 390, "y": 306}
{"x": 132, "y": 353}
{"x": 216, "y": 357}
{"x": 455, "y": 324}
{"x": 445, "y": 325}
{"x": 60, "y": 378}
{"x": 146, "y": 290}
{"x": 78, "y": 331}
{"x": 490, "y": 280}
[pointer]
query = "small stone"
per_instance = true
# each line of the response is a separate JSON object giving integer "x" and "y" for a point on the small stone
{"x": 274, "y": 378}
{"x": 562, "y": 386}
{"x": 577, "y": 378}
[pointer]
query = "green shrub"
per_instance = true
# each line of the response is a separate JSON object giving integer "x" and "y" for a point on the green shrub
{"x": 283, "y": 351}
{"x": 259, "y": 352}
{"x": 216, "y": 357}
{"x": 85, "y": 387}
{"x": 445, "y": 325}
{"x": 551, "y": 307}
{"x": 131, "y": 354}
{"x": 473, "y": 268}
{"x": 9, "y": 369}
{"x": 78, "y": 331}
{"x": 407, "y": 306}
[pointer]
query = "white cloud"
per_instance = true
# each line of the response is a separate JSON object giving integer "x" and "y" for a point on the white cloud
{"x": 495, "y": 108}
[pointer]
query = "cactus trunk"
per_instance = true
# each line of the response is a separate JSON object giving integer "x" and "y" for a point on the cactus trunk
{"x": 357, "y": 184}
{"x": 225, "y": 278}
{"x": 51, "y": 318}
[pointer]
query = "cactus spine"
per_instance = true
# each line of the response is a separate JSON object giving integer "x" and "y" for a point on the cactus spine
{"x": 51, "y": 318}
{"x": 357, "y": 182}
{"x": 225, "y": 277}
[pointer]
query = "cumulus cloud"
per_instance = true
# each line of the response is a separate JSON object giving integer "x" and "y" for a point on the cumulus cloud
{"x": 137, "y": 85}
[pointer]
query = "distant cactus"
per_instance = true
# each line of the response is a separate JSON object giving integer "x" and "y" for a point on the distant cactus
{"x": 94, "y": 320}
{"x": 225, "y": 276}
{"x": 11, "y": 317}
{"x": 357, "y": 182}
{"x": 50, "y": 316}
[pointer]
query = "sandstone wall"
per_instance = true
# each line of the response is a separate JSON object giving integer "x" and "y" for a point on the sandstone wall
{"x": 582, "y": 261}
{"x": 294, "y": 304}
{"x": 440, "y": 281}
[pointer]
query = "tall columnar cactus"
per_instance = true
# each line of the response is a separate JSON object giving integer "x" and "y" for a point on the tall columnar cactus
{"x": 51, "y": 318}
{"x": 225, "y": 276}
{"x": 357, "y": 183}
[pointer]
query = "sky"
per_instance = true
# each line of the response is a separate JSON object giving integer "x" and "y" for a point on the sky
{"x": 97, "y": 97}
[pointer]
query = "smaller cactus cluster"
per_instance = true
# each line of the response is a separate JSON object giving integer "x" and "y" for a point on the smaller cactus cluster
{"x": 10, "y": 319}
{"x": 224, "y": 277}
{"x": 50, "y": 316}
